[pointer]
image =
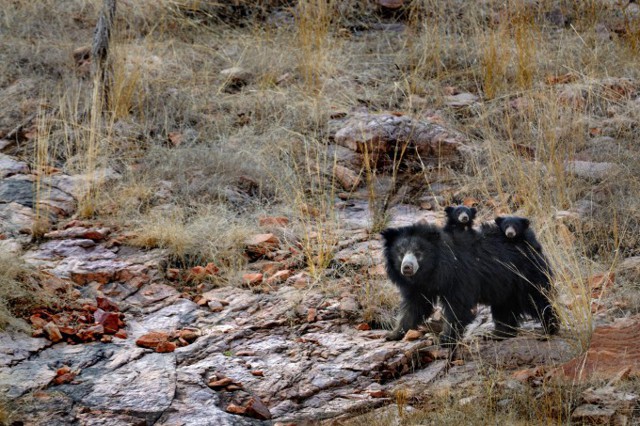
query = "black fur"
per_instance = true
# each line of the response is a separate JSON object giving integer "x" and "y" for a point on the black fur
{"x": 511, "y": 278}
{"x": 521, "y": 232}
{"x": 454, "y": 221}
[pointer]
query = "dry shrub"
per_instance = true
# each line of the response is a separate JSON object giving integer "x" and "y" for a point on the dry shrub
{"x": 20, "y": 292}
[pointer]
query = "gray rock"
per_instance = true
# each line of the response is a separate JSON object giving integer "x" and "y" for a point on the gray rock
{"x": 16, "y": 219}
{"x": 26, "y": 376}
{"x": 180, "y": 314}
{"x": 381, "y": 133}
{"x": 196, "y": 404}
{"x": 590, "y": 170}
{"x": 15, "y": 347}
{"x": 10, "y": 166}
{"x": 461, "y": 100}
{"x": 21, "y": 191}
{"x": 145, "y": 387}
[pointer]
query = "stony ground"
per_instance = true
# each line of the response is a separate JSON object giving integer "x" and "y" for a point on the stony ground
{"x": 146, "y": 341}
{"x": 285, "y": 353}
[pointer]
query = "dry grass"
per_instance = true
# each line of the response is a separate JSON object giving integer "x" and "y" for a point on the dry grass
{"x": 202, "y": 158}
{"x": 19, "y": 292}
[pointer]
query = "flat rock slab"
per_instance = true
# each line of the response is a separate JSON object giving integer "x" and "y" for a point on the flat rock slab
{"x": 614, "y": 351}
{"x": 16, "y": 347}
{"x": 384, "y": 133}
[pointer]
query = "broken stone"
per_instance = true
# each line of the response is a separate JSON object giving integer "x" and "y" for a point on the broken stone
{"x": 412, "y": 335}
{"x": 235, "y": 409}
{"x": 95, "y": 234}
{"x": 261, "y": 244}
{"x": 255, "y": 408}
{"x": 279, "y": 277}
{"x": 221, "y": 383}
{"x": 106, "y": 305}
{"x": 252, "y": 279}
{"x": 589, "y": 414}
{"x": 215, "y": 306}
{"x": 152, "y": 340}
{"x": 109, "y": 320}
{"x": 164, "y": 347}
{"x": 347, "y": 178}
{"x": 52, "y": 331}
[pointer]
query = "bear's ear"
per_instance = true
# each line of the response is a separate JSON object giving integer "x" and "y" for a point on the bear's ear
{"x": 448, "y": 210}
{"x": 390, "y": 234}
{"x": 473, "y": 212}
{"x": 499, "y": 220}
{"x": 525, "y": 222}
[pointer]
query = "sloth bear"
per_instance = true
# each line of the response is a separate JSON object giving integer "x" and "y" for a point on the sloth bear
{"x": 427, "y": 265}
{"x": 517, "y": 229}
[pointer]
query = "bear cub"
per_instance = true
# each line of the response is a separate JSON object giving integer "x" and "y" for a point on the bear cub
{"x": 459, "y": 218}
{"x": 516, "y": 229}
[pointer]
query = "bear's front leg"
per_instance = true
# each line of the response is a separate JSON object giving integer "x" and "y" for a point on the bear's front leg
{"x": 457, "y": 317}
{"x": 412, "y": 312}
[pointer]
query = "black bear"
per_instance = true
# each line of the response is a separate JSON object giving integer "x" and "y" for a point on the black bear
{"x": 459, "y": 218}
{"x": 427, "y": 265}
{"x": 517, "y": 229}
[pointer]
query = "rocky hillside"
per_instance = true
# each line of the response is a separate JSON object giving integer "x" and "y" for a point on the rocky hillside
{"x": 202, "y": 246}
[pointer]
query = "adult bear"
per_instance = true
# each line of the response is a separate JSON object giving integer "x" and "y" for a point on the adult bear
{"x": 427, "y": 264}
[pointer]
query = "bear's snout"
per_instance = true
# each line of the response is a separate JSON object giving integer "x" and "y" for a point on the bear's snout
{"x": 510, "y": 232}
{"x": 409, "y": 265}
{"x": 463, "y": 218}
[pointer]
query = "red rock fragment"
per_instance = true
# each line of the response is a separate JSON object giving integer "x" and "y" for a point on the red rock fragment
{"x": 211, "y": 269}
{"x": 152, "y": 340}
{"x": 235, "y": 409}
{"x": 311, "y": 314}
{"x": 279, "y": 277}
{"x": 363, "y": 327}
{"x": 37, "y": 321}
{"x": 90, "y": 334}
{"x": 412, "y": 335}
{"x": 273, "y": 221}
{"x": 173, "y": 274}
{"x": 106, "y": 304}
{"x": 189, "y": 335}
{"x": 252, "y": 279}
{"x": 64, "y": 375}
{"x": 255, "y": 408}
{"x": 67, "y": 331}
{"x": 121, "y": 334}
{"x": 258, "y": 373}
{"x": 52, "y": 331}
{"x": 599, "y": 282}
{"x": 261, "y": 244}
{"x": 101, "y": 277}
{"x": 347, "y": 178}
{"x": 377, "y": 393}
{"x": 220, "y": 383}
{"x": 613, "y": 349}
{"x": 109, "y": 320}
{"x": 164, "y": 347}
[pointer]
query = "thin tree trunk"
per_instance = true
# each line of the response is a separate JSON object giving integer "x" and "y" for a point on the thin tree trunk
{"x": 102, "y": 68}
